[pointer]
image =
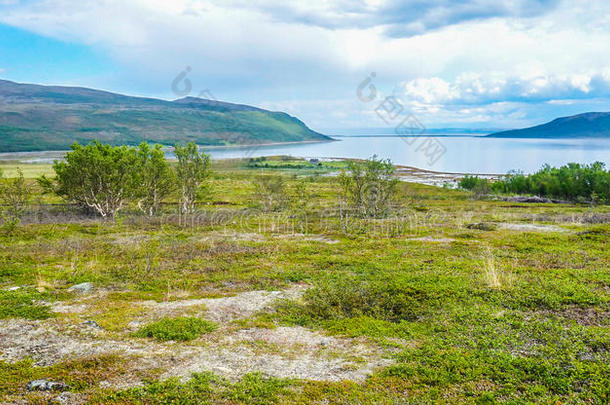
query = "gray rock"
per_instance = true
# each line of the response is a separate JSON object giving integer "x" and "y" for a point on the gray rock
{"x": 482, "y": 226}
{"x": 93, "y": 324}
{"x": 82, "y": 288}
{"x": 45, "y": 385}
{"x": 526, "y": 199}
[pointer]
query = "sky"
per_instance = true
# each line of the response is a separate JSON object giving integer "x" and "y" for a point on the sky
{"x": 335, "y": 64}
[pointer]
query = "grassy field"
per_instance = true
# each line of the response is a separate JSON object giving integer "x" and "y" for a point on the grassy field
{"x": 30, "y": 170}
{"x": 448, "y": 300}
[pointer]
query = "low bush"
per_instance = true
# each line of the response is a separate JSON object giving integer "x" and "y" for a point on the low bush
{"x": 204, "y": 388}
{"x": 23, "y": 303}
{"x": 350, "y": 298}
{"x": 181, "y": 329}
{"x": 469, "y": 182}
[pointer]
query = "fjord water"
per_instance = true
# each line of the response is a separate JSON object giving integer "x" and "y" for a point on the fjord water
{"x": 464, "y": 154}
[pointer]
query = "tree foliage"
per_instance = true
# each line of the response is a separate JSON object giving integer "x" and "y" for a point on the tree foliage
{"x": 369, "y": 186}
{"x": 158, "y": 179}
{"x": 99, "y": 177}
{"x": 271, "y": 192}
{"x": 15, "y": 196}
{"x": 192, "y": 169}
{"x": 573, "y": 182}
{"x": 105, "y": 179}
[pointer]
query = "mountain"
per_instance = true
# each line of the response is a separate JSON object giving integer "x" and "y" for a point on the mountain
{"x": 593, "y": 124}
{"x": 34, "y": 117}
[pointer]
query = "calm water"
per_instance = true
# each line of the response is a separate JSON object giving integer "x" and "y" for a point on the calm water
{"x": 463, "y": 154}
{"x": 469, "y": 154}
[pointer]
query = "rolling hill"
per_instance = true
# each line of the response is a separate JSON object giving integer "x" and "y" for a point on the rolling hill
{"x": 592, "y": 124}
{"x": 35, "y": 118}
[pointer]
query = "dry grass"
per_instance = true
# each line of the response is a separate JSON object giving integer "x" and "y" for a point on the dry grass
{"x": 494, "y": 276}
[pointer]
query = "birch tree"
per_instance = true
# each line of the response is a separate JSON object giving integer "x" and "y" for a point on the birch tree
{"x": 192, "y": 170}
{"x": 99, "y": 177}
{"x": 157, "y": 181}
{"x": 369, "y": 186}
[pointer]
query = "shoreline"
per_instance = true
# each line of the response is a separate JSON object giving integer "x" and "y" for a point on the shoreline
{"x": 6, "y": 156}
{"x": 257, "y": 145}
{"x": 413, "y": 174}
{"x": 43, "y": 157}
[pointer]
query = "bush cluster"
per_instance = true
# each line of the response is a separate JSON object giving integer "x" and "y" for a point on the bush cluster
{"x": 104, "y": 178}
{"x": 350, "y": 298}
{"x": 573, "y": 182}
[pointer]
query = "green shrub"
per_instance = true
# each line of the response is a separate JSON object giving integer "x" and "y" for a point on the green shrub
{"x": 105, "y": 179}
{"x": 271, "y": 192}
{"x": 202, "y": 388}
{"x": 350, "y": 298}
{"x": 469, "y": 182}
{"x": 98, "y": 177}
{"x": 573, "y": 182}
{"x": 369, "y": 186}
{"x": 256, "y": 389}
{"x": 23, "y": 304}
{"x": 15, "y": 197}
{"x": 181, "y": 329}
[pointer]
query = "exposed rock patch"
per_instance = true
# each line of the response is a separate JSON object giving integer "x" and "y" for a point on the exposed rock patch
{"x": 531, "y": 227}
{"x": 528, "y": 199}
{"x": 431, "y": 239}
{"x": 241, "y": 305}
{"x": 285, "y": 352}
{"x": 313, "y": 238}
{"x": 45, "y": 385}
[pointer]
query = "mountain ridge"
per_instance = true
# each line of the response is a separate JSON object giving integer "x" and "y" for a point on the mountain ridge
{"x": 37, "y": 117}
{"x": 584, "y": 125}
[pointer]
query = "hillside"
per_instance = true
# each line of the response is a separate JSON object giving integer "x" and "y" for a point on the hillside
{"x": 593, "y": 124}
{"x": 34, "y": 117}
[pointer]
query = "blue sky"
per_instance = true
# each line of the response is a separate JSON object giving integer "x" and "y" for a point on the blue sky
{"x": 459, "y": 63}
{"x": 28, "y": 57}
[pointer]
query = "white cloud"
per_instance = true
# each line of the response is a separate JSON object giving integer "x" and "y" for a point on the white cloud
{"x": 481, "y": 88}
{"x": 398, "y": 17}
{"x": 473, "y": 54}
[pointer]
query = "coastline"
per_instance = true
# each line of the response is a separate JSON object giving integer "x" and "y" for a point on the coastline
{"x": 257, "y": 145}
{"x": 413, "y": 174}
{"x": 43, "y": 156}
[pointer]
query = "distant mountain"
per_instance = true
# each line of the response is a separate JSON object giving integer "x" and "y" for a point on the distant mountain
{"x": 34, "y": 117}
{"x": 593, "y": 124}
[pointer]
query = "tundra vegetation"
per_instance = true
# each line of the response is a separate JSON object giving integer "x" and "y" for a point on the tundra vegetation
{"x": 455, "y": 299}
